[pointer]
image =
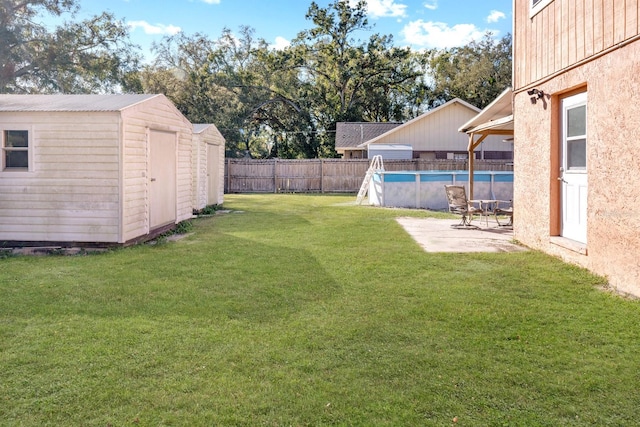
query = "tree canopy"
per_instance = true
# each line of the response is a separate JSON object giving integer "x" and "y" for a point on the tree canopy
{"x": 266, "y": 102}
{"x": 346, "y": 79}
{"x": 87, "y": 56}
{"x": 286, "y": 103}
{"x": 477, "y": 72}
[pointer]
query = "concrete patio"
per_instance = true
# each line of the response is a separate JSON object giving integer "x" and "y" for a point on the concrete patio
{"x": 437, "y": 235}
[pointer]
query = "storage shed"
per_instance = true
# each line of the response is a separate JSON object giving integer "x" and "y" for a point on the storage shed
{"x": 92, "y": 168}
{"x": 208, "y": 166}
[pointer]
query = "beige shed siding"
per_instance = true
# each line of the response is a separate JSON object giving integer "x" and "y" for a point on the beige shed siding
{"x": 185, "y": 184}
{"x": 157, "y": 113}
{"x": 72, "y": 191}
{"x": 199, "y": 164}
{"x": 566, "y": 32}
{"x": 438, "y": 131}
{"x": 208, "y": 139}
{"x": 220, "y": 169}
{"x": 612, "y": 83}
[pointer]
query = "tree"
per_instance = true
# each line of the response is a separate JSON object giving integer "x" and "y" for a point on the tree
{"x": 477, "y": 72}
{"x": 345, "y": 79}
{"x": 290, "y": 100}
{"x": 232, "y": 82}
{"x": 93, "y": 55}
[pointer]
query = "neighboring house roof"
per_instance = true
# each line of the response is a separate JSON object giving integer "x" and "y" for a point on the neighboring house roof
{"x": 86, "y": 103}
{"x": 352, "y": 134}
{"x": 420, "y": 117}
{"x": 496, "y": 116}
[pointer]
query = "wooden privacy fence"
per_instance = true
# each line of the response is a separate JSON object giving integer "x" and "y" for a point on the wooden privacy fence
{"x": 326, "y": 175}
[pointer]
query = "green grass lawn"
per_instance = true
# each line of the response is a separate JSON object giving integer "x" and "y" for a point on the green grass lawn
{"x": 306, "y": 310}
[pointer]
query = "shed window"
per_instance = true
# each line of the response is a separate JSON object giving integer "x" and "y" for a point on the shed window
{"x": 15, "y": 149}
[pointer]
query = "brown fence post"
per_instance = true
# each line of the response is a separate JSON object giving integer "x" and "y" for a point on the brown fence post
{"x": 275, "y": 175}
{"x": 229, "y": 175}
{"x": 322, "y": 175}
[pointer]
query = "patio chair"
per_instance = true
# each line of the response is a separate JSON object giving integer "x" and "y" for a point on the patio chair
{"x": 460, "y": 205}
{"x": 504, "y": 209}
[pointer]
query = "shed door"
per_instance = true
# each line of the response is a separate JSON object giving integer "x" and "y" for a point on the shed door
{"x": 573, "y": 172}
{"x": 162, "y": 193}
{"x": 213, "y": 174}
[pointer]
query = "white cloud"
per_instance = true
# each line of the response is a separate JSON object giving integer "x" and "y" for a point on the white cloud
{"x": 212, "y": 1}
{"x": 431, "y": 5}
{"x": 383, "y": 8}
{"x": 439, "y": 35}
{"x": 495, "y": 16}
{"x": 154, "y": 29}
{"x": 281, "y": 43}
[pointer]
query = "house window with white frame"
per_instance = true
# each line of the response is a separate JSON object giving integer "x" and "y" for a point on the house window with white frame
{"x": 537, "y": 6}
{"x": 15, "y": 150}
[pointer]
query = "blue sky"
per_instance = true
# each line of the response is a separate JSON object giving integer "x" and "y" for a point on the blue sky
{"x": 421, "y": 24}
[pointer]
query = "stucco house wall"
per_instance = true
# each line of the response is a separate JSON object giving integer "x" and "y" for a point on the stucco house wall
{"x": 610, "y": 76}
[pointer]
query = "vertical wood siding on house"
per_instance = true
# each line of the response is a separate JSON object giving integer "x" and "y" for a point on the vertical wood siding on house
{"x": 583, "y": 29}
{"x": 156, "y": 113}
{"x": 567, "y": 32}
{"x": 72, "y": 190}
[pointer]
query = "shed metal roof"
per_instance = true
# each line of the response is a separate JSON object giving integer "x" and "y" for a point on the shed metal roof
{"x": 44, "y": 103}
{"x": 201, "y": 127}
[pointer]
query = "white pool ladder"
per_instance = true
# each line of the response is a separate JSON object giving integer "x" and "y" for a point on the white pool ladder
{"x": 375, "y": 166}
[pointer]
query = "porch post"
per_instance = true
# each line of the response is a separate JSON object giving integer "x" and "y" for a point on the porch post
{"x": 471, "y": 166}
{"x": 472, "y": 147}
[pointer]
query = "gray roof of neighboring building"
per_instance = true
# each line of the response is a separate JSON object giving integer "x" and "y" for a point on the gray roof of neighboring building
{"x": 43, "y": 103}
{"x": 352, "y": 134}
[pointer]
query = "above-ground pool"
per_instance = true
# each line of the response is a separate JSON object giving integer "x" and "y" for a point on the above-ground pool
{"x": 425, "y": 189}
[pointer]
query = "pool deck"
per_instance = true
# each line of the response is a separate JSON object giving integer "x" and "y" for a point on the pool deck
{"x": 438, "y": 235}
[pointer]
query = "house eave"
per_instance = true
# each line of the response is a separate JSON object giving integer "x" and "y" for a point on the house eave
{"x": 500, "y": 108}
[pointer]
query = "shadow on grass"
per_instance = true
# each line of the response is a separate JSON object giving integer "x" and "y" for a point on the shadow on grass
{"x": 266, "y": 283}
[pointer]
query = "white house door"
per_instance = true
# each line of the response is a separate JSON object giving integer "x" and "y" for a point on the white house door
{"x": 573, "y": 172}
{"x": 162, "y": 193}
{"x": 213, "y": 175}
